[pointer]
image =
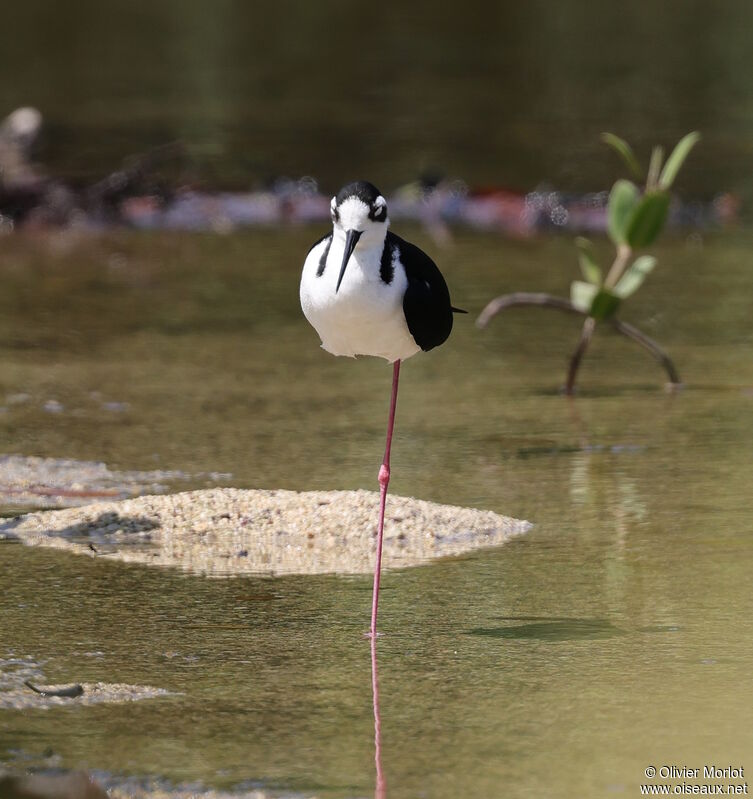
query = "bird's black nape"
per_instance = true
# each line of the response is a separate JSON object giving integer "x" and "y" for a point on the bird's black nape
{"x": 365, "y": 191}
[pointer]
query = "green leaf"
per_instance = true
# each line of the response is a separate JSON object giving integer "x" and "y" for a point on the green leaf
{"x": 654, "y": 167}
{"x": 624, "y": 150}
{"x": 634, "y": 276}
{"x": 590, "y": 299}
{"x": 588, "y": 265}
{"x": 647, "y": 219}
{"x": 582, "y": 295}
{"x": 604, "y": 305}
{"x": 677, "y": 159}
{"x": 622, "y": 200}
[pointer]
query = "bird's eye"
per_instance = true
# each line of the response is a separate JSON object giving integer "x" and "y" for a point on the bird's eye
{"x": 378, "y": 211}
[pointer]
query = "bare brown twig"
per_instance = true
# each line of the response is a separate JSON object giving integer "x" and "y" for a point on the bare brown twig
{"x": 561, "y": 304}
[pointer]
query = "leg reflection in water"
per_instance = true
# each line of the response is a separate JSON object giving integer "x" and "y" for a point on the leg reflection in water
{"x": 380, "y": 790}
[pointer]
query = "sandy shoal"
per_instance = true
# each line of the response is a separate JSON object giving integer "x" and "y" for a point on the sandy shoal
{"x": 225, "y": 531}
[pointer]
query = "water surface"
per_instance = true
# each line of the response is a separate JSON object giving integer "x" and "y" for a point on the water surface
{"x": 615, "y": 635}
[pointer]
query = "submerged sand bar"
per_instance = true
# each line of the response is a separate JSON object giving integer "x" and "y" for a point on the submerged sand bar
{"x": 224, "y": 531}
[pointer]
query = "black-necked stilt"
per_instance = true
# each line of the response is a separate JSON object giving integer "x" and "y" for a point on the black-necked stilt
{"x": 392, "y": 302}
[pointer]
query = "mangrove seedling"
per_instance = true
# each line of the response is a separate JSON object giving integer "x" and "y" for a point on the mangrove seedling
{"x": 635, "y": 218}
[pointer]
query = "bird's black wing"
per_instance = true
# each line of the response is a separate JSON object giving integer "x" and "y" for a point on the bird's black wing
{"x": 426, "y": 302}
{"x": 318, "y": 242}
{"x": 323, "y": 259}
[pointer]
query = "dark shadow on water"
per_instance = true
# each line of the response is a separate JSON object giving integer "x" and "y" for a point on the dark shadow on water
{"x": 538, "y": 618}
{"x": 533, "y": 447}
{"x": 595, "y": 391}
{"x": 607, "y": 449}
{"x": 660, "y": 628}
{"x": 552, "y": 629}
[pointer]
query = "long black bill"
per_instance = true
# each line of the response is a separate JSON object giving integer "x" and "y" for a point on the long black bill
{"x": 351, "y": 240}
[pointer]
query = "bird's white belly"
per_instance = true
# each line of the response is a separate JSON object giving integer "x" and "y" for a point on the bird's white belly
{"x": 365, "y": 317}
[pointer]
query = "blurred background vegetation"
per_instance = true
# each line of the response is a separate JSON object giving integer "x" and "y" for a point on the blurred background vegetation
{"x": 501, "y": 93}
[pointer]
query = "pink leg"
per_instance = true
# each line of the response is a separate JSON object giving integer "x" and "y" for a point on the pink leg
{"x": 384, "y": 481}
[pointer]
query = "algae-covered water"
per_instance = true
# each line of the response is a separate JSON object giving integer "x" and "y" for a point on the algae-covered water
{"x": 613, "y": 636}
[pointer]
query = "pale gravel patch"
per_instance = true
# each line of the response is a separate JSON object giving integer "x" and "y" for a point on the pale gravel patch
{"x": 224, "y": 531}
{"x": 64, "y": 482}
{"x": 95, "y": 693}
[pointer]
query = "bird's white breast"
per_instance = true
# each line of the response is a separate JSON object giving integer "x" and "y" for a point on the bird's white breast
{"x": 365, "y": 317}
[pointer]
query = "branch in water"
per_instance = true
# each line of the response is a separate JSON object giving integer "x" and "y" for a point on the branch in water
{"x": 580, "y": 351}
{"x": 561, "y": 304}
{"x": 652, "y": 346}
{"x": 524, "y": 298}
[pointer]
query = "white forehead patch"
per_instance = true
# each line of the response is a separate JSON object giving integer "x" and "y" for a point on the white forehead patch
{"x": 354, "y": 214}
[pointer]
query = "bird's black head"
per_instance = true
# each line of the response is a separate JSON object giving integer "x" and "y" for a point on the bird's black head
{"x": 358, "y": 209}
{"x": 363, "y": 200}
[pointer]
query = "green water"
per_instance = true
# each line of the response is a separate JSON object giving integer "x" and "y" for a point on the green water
{"x": 614, "y": 636}
{"x": 490, "y": 91}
